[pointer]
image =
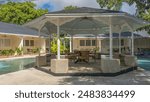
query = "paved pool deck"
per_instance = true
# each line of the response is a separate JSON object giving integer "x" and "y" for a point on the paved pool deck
{"x": 33, "y": 76}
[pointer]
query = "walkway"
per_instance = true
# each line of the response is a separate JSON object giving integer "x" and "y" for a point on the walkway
{"x": 36, "y": 77}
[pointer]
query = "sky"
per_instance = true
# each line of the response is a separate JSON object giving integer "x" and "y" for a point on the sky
{"x": 54, "y": 5}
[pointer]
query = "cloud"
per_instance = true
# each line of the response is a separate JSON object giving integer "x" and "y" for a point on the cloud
{"x": 54, "y": 5}
{"x": 45, "y": 4}
{"x": 130, "y": 9}
{"x": 60, "y": 4}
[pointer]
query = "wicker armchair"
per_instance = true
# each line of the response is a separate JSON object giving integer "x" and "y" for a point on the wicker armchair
{"x": 84, "y": 56}
{"x": 71, "y": 56}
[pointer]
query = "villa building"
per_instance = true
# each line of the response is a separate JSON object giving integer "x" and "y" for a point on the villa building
{"x": 101, "y": 42}
{"x": 14, "y": 36}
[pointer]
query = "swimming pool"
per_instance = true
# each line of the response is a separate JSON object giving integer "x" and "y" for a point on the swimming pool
{"x": 144, "y": 63}
{"x": 12, "y": 65}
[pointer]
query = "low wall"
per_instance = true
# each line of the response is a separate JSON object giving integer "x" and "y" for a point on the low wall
{"x": 130, "y": 61}
{"x": 110, "y": 65}
{"x": 59, "y": 65}
{"x": 40, "y": 61}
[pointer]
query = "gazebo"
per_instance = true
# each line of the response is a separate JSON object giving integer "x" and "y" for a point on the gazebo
{"x": 86, "y": 20}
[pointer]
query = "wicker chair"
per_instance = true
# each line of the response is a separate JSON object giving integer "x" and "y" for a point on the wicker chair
{"x": 71, "y": 56}
{"x": 84, "y": 56}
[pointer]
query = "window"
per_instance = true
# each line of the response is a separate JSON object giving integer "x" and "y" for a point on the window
{"x": 7, "y": 42}
{"x": 122, "y": 42}
{"x": 1, "y": 42}
{"x": 115, "y": 42}
{"x": 31, "y": 42}
{"x": 82, "y": 42}
{"x": 88, "y": 42}
{"x": 4, "y": 42}
{"x": 93, "y": 42}
{"x": 28, "y": 42}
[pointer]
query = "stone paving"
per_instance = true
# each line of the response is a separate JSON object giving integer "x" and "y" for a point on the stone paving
{"x": 35, "y": 77}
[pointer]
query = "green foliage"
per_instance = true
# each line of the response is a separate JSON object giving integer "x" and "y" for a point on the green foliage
{"x": 54, "y": 46}
{"x": 19, "y": 51}
{"x": 7, "y": 52}
{"x": 143, "y": 8}
{"x": 11, "y": 52}
{"x": 110, "y": 4}
{"x": 19, "y": 12}
{"x": 70, "y": 7}
{"x": 36, "y": 50}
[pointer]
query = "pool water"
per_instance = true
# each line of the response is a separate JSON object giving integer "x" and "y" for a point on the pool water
{"x": 7, "y": 66}
{"x": 144, "y": 63}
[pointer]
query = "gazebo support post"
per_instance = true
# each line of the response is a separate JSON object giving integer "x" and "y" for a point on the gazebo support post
{"x": 70, "y": 42}
{"x": 64, "y": 44}
{"x": 95, "y": 42}
{"x": 49, "y": 45}
{"x": 40, "y": 60}
{"x": 100, "y": 45}
{"x": 58, "y": 42}
{"x": 59, "y": 65}
{"x": 39, "y": 33}
{"x": 110, "y": 65}
{"x": 131, "y": 60}
{"x": 110, "y": 40}
{"x": 132, "y": 42}
{"x": 120, "y": 42}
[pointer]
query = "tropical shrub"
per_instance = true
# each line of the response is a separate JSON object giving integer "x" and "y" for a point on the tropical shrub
{"x": 5, "y": 52}
{"x": 54, "y": 46}
{"x": 19, "y": 51}
{"x": 36, "y": 50}
{"x": 11, "y": 52}
{"x": 0, "y": 52}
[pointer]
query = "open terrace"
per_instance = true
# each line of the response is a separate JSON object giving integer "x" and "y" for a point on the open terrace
{"x": 88, "y": 21}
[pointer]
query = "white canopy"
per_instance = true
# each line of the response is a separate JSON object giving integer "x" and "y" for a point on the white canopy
{"x": 87, "y": 21}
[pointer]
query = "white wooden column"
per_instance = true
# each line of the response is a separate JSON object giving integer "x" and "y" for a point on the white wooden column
{"x": 39, "y": 33}
{"x": 100, "y": 45}
{"x": 110, "y": 40}
{"x": 21, "y": 45}
{"x": 49, "y": 44}
{"x": 64, "y": 44}
{"x": 132, "y": 44}
{"x": 95, "y": 42}
{"x": 119, "y": 42}
{"x": 58, "y": 42}
{"x": 70, "y": 43}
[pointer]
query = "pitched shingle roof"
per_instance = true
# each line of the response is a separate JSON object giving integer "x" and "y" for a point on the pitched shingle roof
{"x": 123, "y": 34}
{"x": 115, "y": 35}
{"x": 86, "y": 10}
{"x": 7, "y": 28}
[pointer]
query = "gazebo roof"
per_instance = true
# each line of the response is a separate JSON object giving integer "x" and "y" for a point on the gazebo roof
{"x": 86, "y": 10}
{"x": 87, "y": 20}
